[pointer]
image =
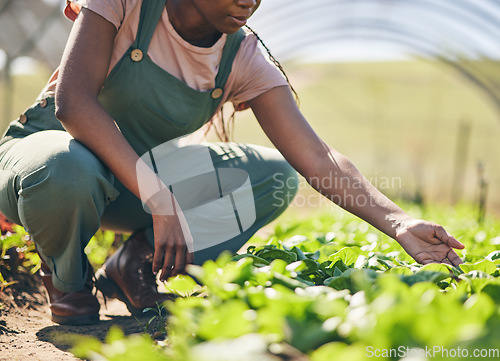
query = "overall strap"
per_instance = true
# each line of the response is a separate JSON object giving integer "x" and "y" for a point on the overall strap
{"x": 231, "y": 47}
{"x": 151, "y": 11}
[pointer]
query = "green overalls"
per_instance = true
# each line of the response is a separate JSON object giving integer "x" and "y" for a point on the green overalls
{"x": 62, "y": 193}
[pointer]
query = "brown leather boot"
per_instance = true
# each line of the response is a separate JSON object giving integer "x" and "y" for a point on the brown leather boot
{"x": 73, "y": 308}
{"x": 128, "y": 276}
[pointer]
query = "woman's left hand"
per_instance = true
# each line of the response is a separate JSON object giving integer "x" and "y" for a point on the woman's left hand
{"x": 428, "y": 242}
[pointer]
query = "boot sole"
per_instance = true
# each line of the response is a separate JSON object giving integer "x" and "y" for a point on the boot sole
{"x": 111, "y": 290}
{"x": 76, "y": 320}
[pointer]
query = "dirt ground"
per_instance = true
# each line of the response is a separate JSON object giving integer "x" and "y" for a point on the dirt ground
{"x": 27, "y": 333}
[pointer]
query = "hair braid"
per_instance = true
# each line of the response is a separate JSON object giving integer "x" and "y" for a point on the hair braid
{"x": 275, "y": 62}
{"x": 225, "y": 129}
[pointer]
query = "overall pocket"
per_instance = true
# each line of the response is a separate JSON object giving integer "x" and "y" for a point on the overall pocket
{"x": 40, "y": 116}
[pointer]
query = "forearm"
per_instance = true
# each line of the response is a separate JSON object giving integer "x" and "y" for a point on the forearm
{"x": 328, "y": 171}
{"x": 92, "y": 126}
{"x": 336, "y": 177}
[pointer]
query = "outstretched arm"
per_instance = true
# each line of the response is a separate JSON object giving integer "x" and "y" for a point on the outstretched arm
{"x": 289, "y": 131}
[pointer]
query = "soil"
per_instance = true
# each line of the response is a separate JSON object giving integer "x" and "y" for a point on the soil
{"x": 27, "y": 333}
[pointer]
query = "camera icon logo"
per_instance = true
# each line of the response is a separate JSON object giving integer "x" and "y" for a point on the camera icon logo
{"x": 214, "y": 205}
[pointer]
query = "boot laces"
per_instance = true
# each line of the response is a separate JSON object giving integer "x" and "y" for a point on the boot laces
{"x": 145, "y": 270}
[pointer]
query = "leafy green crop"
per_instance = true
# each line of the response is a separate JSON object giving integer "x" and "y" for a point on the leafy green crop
{"x": 17, "y": 255}
{"x": 332, "y": 290}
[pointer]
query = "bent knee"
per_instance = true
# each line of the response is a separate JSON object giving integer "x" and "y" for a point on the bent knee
{"x": 68, "y": 169}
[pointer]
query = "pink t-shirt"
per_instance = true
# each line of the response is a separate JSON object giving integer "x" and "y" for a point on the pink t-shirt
{"x": 252, "y": 73}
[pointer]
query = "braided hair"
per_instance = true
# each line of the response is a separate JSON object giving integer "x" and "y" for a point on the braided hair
{"x": 275, "y": 62}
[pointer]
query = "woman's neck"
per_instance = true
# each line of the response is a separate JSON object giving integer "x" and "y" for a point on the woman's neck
{"x": 190, "y": 24}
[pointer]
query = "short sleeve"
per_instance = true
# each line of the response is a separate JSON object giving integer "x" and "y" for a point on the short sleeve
{"x": 254, "y": 73}
{"x": 111, "y": 10}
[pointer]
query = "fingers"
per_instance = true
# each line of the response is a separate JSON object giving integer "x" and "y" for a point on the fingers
{"x": 170, "y": 255}
{"x": 454, "y": 258}
{"x": 446, "y": 261}
{"x": 158, "y": 256}
{"x": 441, "y": 234}
{"x": 451, "y": 258}
{"x": 180, "y": 261}
{"x": 171, "y": 259}
{"x": 190, "y": 257}
{"x": 171, "y": 252}
{"x": 176, "y": 260}
{"x": 443, "y": 261}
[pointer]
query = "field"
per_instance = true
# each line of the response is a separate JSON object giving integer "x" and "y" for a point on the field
{"x": 320, "y": 288}
{"x": 319, "y": 284}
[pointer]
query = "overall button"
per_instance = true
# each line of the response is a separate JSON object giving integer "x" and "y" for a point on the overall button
{"x": 23, "y": 118}
{"x": 43, "y": 103}
{"x": 217, "y": 93}
{"x": 136, "y": 55}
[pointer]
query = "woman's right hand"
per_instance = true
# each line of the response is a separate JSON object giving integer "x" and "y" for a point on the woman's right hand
{"x": 171, "y": 237}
